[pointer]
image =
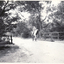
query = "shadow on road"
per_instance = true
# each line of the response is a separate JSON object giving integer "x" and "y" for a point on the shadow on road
{"x": 7, "y": 49}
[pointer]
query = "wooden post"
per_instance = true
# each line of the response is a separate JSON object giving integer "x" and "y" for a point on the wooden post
{"x": 58, "y": 35}
{"x": 8, "y": 38}
{"x": 11, "y": 39}
{"x": 52, "y": 37}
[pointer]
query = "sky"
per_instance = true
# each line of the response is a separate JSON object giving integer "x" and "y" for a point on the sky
{"x": 56, "y": 2}
{"x": 24, "y": 16}
{"x": 44, "y": 12}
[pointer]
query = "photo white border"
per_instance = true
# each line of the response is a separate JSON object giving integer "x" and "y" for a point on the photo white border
{"x": 31, "y": 63}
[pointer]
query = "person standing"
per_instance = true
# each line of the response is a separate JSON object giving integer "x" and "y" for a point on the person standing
{"x": 34, "y": 33}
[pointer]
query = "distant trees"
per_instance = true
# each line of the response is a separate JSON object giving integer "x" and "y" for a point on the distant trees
{"x": 57, "y": 17}
{"x": 43, "y": 15}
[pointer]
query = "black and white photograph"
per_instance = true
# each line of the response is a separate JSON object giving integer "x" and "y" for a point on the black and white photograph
{"x": 31, "y": 31}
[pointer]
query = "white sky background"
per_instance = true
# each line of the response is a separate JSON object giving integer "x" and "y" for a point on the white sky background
{"x": 22, "y": 15}
{"x": 45, "y": 5}
{"x": 56, "y": 2}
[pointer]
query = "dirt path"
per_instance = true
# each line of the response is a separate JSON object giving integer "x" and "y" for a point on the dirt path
{"x": 43, "y": 51}
{"x": 35, "y": 52}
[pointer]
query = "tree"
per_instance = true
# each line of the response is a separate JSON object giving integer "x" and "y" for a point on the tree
{"x": 57, "y": 17}
{"x": 14, "y": 10}
{"x": 35, "y": 8}
{"x": 2, "y": 13}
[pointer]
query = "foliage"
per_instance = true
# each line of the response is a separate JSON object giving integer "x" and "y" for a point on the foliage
{"x": 43, "y": 15}
{"x": 22, "y": 30}
{"x": 57, "y": 17}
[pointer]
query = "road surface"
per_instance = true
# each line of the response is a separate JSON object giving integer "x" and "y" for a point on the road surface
{"x": 28, "y": 51}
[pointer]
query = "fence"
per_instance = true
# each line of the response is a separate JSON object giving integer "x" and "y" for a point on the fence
{"x": 53, "y": 35}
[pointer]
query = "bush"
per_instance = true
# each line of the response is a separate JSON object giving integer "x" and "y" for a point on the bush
{"x": 26, "y": 35}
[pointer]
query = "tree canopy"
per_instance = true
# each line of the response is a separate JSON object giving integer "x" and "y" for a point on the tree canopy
{"x": 43, "y": 15}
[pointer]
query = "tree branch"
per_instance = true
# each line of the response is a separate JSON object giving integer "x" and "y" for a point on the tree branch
{"x": 3, "y": 8}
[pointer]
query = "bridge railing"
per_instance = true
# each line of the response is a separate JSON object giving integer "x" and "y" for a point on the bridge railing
{"x": 53, "y": 35}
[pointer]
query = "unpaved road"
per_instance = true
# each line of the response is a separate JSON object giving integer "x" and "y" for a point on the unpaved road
{"x": 29, "y": 51}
